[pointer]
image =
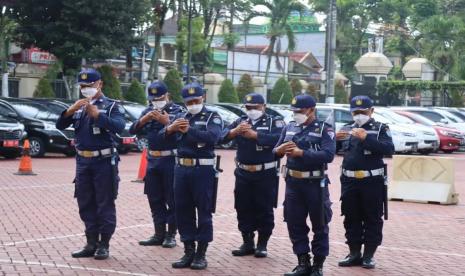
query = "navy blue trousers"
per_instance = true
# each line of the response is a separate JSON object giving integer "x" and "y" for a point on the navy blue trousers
{"x": 159, "y": 182}
{"x": 362, "y": 207}
{"x": 96, "y": 194}
{"x": 254, "y": 196}
{"x": 193, "y": 196}
{"x": 303, "y": 200}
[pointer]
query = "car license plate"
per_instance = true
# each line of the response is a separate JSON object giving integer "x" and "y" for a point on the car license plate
{"x": 11, "y": 143}
{"x": 415, "y": 147}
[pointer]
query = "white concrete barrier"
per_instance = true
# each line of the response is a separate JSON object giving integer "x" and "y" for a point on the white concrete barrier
{"x": 424, "y": 179}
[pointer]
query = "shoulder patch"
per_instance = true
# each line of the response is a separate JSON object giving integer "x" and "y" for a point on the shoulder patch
{"x": 217, "y": 120}
{"x": 279, "y": 123}
{"x": 330, "y": 132}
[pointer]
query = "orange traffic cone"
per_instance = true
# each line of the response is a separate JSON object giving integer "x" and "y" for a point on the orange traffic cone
{"x": 142, "y": 167}
{"x": 25, "y": 164}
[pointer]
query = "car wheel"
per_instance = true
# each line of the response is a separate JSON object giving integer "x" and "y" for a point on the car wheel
{"x": 37, "y": 147}
{"x": 448, "y": 151}
{"x": 425, "y": 152}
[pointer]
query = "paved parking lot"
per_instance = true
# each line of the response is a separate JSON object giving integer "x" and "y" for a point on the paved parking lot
{"x": 40, "y": 226}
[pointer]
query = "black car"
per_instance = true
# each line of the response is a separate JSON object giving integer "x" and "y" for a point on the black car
{"x": 126, "y": 141}
{"x": 12, "y": 135}
{"x": 133, "y": 112}
{"x": 39, "y": 122}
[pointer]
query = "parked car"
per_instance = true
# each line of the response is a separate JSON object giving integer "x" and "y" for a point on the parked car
{"x": 280, "y": 110}
{"x": 450, "y": 139}
{"x": 12, "y": 135}
{"x": 235, "y": 108}
{"x": 39, "y": 122}
{"x": 404, "y": 139}
{"x": 455, "y": 111}
{"x": 132, "y": 114}
{"x": 428, "y": 138}
{"x": 436, "y": 115}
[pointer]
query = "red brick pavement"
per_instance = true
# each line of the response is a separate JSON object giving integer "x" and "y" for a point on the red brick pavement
{"x": 40, "y": 226}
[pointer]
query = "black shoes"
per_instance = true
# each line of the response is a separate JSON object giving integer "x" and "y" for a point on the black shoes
{"x": 89, "y": 249}
{"x": 367, "y": 260}
{"x": 186, "y": 260}
{"x": 170, "y": 237}
{"x": 103, "y": 248}
{"x": 260, "y": 251}
{"x": 247, "y": 247}
{"x": 354, "y": 258}
{"x": 317, "y": 268}
{"x": 304, "y": 268}
{"x": 158, "y": 238}
{"x": 200, "y": 262}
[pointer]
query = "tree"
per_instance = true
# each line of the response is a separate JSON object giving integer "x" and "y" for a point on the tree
{"x": 174, "y": 83}
{"x": 281, "y": 93}
{"x": 278, "y": 13}
{"x": 296, "y": 87}
{"x": 227, "y": 92}
{"x": 44, "y": 89}
{"x": 135, "y": 93}
{"x": 312, "y": 90}
{"x": 340, "y": 94}
{"x": 111, "y": 84}
{"x": 245, "y": 86}
{"x": 74, "y": 30}
{"x": 198, "y": 42}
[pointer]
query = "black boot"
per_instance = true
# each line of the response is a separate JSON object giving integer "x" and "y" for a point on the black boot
{"x": 303, "y": 268}
{"x": 200, "y": 262}
{"x": 158, "y": 238}
{"x": 247, "y": 247}
{"x": 103, "y": 248}
{"x": 354, "y": 258}
{"x": 170, "y": 237}
{"x": 317, "y": 268}
{"x": 186, "y": 260}
{"x": 89, "y": 249}
{"x": 261, "y": 252}
{"x": 368, "y": 253}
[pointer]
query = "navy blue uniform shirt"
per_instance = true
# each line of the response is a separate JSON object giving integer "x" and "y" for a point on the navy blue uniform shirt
{"x": 316, "y": 139}
{"x": 199, "y": 141}
{"x": 99, "y": 133}
{"x": 367, "y": 154}
{"x": 152, "y": 128}
{"x": 251, "y": 151}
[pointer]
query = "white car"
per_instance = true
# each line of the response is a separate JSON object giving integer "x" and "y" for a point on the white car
{"x": 427, "y": 136}
{"x": 440, "y": 116}
{"x": 405, "y": 140}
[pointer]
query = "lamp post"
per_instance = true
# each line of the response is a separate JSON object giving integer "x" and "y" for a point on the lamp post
{"x": 331, "y": 50}
{"x": 4, "y": 53}
{"x": 189, "y": 43}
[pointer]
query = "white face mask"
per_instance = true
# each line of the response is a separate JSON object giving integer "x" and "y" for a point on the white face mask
{"x": 254, "y": 114}
{"x": 361, "y": 119}
{"x": 89, "y": 92}
{"x": 158, "y": 105}
{"x": 300, "y": 118}
{"x": 194, "y": 109}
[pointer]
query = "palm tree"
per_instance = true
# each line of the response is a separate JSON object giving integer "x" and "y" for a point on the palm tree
{"x": 278, "y": 13}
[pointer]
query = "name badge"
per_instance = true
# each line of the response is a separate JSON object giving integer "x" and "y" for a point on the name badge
{"x": 200, "y": 145}
{"x": 96, "y": 130}
{"x": 258, "y": 148}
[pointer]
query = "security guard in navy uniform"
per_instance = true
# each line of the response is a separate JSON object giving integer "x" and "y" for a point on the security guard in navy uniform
{"x": 309, "y": 146}
{"x": 159, "y": 176}
{"x": 365, "y": 142}
{"x": 195, "y": 134}
{"x": 96, "y": 120}
{"x": 256, "y": 174}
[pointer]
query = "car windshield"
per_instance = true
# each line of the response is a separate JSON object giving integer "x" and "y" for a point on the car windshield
{"x": 134, "y": 110}
{"x": 322, "y": 114}
{"x": 35, "y": 110}
{"x": 225, "y": 114}
{"x": 420, "y": 119}
{"x": 282, "y": 111}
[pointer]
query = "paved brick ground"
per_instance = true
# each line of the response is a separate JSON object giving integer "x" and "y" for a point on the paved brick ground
{"x": 40, "y": 226}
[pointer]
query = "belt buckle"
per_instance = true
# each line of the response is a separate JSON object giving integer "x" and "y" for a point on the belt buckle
{"x": 155, "y": 153}
{"x": 359, "y": 174}
{"x": 188, "y": 162}
{"x": 297, "y": 174}
{"x": 87, "y": 153}
{"x": 252, "y": 168}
